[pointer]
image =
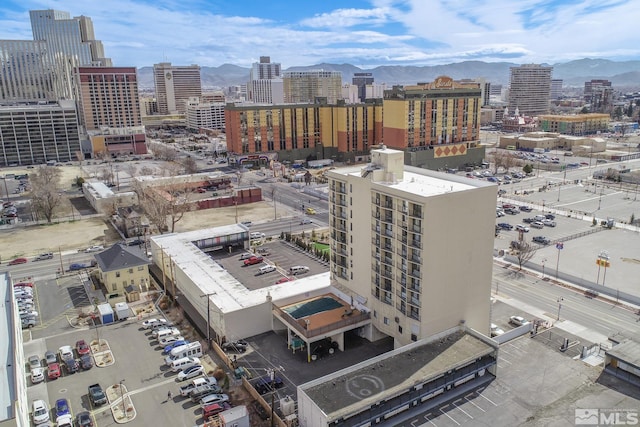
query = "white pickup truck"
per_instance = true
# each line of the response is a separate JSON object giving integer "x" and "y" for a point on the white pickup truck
{"x": 186, "y": 389}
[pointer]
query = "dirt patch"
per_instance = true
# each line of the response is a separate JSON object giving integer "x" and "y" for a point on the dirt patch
{"x": 26, "y": 241}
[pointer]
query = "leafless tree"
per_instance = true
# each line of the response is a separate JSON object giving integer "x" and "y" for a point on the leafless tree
{"x": 504, "y": 159}
{"x": 190, "y": 165}
{"x": 105, "y": 174}
{"x": 45, "y": 191}
{"x": 166, "y": 206}
{"x": 163, "y": 152}
{"x": 525, "y": 251}
{"x": 146, "y": 170}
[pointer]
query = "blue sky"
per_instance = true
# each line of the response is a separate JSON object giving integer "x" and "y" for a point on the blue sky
{"x": 363, "y": 33}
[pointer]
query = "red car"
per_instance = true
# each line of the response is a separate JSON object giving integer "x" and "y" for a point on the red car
{"x": 18, "y": 261}
{"x": 82, "y": 348}
{"x": 53, "y": 371}
{"x": 23, "y": 284}
{"x": 213, "y": 409}
{"x": 253, "y": 260}
{"x": 285, "y": 279}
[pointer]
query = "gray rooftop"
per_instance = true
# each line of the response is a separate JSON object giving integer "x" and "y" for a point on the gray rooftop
{"x": 394, "y": 372}
{"x": 120, "y": 256}
{"x": 628, "y": 351}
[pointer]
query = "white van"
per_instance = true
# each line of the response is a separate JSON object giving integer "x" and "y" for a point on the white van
{"x": 299, "y": 269}
{"x": 193, "y": 349}
{"x": 266, "y": 269}
{"x": 256, "y": 235}
{"x": 184, "y": 363}
{"x": 167, "y": 333}
{"x": 540, "y": 217}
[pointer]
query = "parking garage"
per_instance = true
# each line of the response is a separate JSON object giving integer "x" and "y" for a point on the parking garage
{"x": 414, "y": 377}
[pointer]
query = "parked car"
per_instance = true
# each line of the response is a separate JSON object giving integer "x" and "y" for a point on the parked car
{"x": 65, "y": 352}
{"x": 34, "y": 362}
{"x": 525, "y": 208}
{"x": 86, "y": 362}
{"x": 37, "y": 375}
{"x": 511, "y": 211}
{"x": 23, "y": 285}
{"x": 44, "y": 256}
{"x": 53, "y": 371}
{"x": 83, "y": 419}
{"x": 253, "y": 260}
{"x": 246, "y": 255}
{"x": 265, "y": 269}
{"x": 71, "y": 365}
{"x": 537, "y": 224}
{"x": 28, "y": 322}
{"x": 523, "y": 228}
{"x": 528, "y": 220}
{"x": 40, "y": 412}
{"x": 191, "y": 372}
{"x": 518, "y": 320}
{"x": 18, "y": 261}
{"x": 541, "y": 240}
{"x": 94, "y": 248}
{"x": 62, "y": 407}
{"x": 496, "y": 331}
{"x": 265, "y": 384}
{"x": 50, "y": 357}
{"x": 82, "y": 348}
{"x": 550, "y": 216}
{"x": 549, "y": 223}
{"x": 168, "y": 348}
{"x": 213, "y": 409}
{"x": 136, "y": 242}
{"x": 214, "y": 398}
{"x": 505, "y": 226}
{"x": 305, "y": 221}
{"x": 285, "y": 279}
{"x": 149, "y": 323}
{"x": 239, "y": 346}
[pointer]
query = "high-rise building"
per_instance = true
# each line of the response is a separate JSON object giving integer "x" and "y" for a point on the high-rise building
{"x": 38, "y": 133}
{"x": 41, "y": 69}
{"x": 430, "y": 114}
{"x": 108, "y": 96}
{"x": 529, "y": 89}
{"x": 29, "y": 72}
{"x": 361, "y": 80}
{"x": 556, "y": 88}
{"x": 599, "y": 94}
{"x": 205, "y": 116}
{"x": 296, "y": 131}
{"x": 73, "y": 37}
{"x": 175, "y": 85}
{"x": 404, "y": 266}
{"x": 265, "y": 82}
{"x": 307, "y": 86}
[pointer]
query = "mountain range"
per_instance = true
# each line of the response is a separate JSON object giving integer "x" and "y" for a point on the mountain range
{"x": 623, "y": 74}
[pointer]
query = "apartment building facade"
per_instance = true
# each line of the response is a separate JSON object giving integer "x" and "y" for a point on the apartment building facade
{"x": 307, "y": 86}
{"x": 393, "y": 250}
{"x": 530, "y": 89}
{"x": 206, "y": 116}
{"x": 38, "y": 133}
{"x": 175, "y": 85}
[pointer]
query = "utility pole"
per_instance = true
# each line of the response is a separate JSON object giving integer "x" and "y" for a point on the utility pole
{"x": 208, "y": 317}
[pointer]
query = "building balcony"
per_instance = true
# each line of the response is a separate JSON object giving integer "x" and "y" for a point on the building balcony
{"x": 415, "y": 244}
{"x": 415, "y": 273}
{"x": 416, "y": 213}
{"x": 402, "y": 224}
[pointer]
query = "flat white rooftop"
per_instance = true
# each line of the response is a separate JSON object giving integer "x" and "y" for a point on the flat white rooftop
{"x": 211, "y": 278}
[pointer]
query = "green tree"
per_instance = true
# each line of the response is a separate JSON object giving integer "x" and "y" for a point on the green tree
{"x": 527, "y": 169}
{"x": 79, "y": 181}
{"x": 584, "y": 110}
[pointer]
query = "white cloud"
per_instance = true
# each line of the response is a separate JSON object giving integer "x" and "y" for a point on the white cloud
{"x": 343, "y": 18}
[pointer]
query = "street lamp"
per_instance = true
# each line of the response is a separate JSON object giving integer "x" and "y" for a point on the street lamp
{"x": 559, "y": 301}
{"x": 543, "y": 261}
{"x": 272, "y": 376}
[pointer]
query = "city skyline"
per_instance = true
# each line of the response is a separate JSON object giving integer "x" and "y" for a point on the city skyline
{"x": 363, "y": 33}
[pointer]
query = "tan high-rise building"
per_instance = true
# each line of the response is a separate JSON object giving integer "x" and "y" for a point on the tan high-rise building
{"x": 108, "y": 96}
{"x": 175, "y": 85}
{"x": 530, "y": 89}
{"x": 405, "y": 244}
{"x": 306, "y": 86}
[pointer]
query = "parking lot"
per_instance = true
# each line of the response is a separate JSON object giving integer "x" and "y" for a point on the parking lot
{"x": 277, "y": 253}
{"x": 138, "y": 362}
{"x": 544, "y": 389}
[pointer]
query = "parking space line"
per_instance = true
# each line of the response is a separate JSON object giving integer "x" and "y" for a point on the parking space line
{"x": 491, "y": 401}
{"x": 449, "y": 416}
{"x": 465, "y": 412}
{"x": 511, "y": 345}
{"x": 472, "y": 402}
{"x": 428, "y": 419}
{"x": 504, "y": 360}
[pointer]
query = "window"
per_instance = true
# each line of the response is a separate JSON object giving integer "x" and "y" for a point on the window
{"x": 414, "y": 337}
{"x": 400, "y": 329}
{"x": 114, "y": 287}
{"x": 140, "y": 268}
{"x": 386, "y": 320}
{"x": 117, "y": 274}
{"x": 131, "y": 271}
